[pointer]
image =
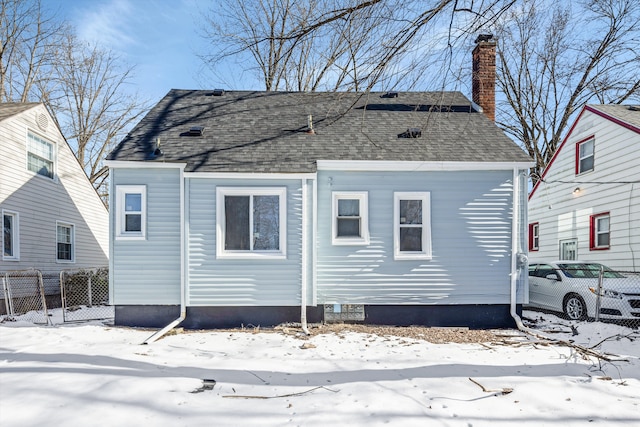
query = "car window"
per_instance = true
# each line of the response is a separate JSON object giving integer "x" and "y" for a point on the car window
{"x": 587, "y": 271}
{"x": 544, "y": 270}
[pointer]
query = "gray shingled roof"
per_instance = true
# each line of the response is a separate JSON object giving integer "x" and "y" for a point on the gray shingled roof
{"x": 8, "y": 109}
{"x": 266, "y": 131}
{"x": 627, "y": 113}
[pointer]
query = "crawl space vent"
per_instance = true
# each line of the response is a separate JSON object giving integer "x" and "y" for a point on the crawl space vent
{"x": 343, "y": 313}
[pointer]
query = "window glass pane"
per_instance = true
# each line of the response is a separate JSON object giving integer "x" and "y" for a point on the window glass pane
{"x": 603, "y": 224}
{"x": 133, "y": 222}
{"x": 410, "y": 211}
{"x": 586, "y": 164}
{"x": 411, "y": 239}
{"x": 348, "y": 207}
{"x": 348, "y": 227}
{"x": 133, "y": 202}
{"x": 8, "y": 235}
{"x": 236, "y": 212}
{"x": 586, "y": 149}
{"x": 266, "y": 223}
{"x": 40, "y": 166}
{"x": 64, "y": 243}
{"x": 64, "y": 234}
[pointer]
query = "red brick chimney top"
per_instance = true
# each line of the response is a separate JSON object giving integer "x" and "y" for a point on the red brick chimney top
{"x": 484, "y": 74}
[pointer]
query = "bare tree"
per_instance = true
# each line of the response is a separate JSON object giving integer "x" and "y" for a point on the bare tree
{"x": 340, "y": 44}
{"x": 28, "y": 48}
{"x": 552, "y": 61}
{"x": 84, "y": 86}
{"x": 92, "y": 103}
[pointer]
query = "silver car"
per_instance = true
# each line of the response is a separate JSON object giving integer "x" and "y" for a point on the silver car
{"x": 571, "y": 287}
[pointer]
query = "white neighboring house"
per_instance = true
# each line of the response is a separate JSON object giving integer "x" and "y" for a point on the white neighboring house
{"x": 52, "y": 217}
{"x": 587, "y": 204}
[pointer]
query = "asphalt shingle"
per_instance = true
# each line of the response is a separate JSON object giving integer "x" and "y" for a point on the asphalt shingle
{"x": 248, "y": 131}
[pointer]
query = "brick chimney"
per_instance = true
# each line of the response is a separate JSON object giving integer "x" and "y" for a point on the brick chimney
{"x": 484, "y": 75}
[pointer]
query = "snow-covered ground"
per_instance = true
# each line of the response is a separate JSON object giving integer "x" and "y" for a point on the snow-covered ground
{"x": 97, "y": 375}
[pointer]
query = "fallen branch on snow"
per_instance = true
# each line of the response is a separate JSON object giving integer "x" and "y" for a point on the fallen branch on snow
{"x": 238, "y": 396}
{"x": 505, "y": 390}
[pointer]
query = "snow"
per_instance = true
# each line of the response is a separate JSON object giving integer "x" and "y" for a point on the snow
{"x": 99, "y": 375}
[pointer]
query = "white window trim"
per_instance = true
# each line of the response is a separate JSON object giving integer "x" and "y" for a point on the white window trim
{"x": 121, "y": 192}
{"x": 221, "y": 192}
{"x": 426, "y": 253}
{"x": 363, "y": 198}
{"x": 54, "y": 154}
{"x": 73, "y": 242}
{"x": 15, "y": 236}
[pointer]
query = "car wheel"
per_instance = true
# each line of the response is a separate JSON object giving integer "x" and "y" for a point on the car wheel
{"x": 574, "y": 307}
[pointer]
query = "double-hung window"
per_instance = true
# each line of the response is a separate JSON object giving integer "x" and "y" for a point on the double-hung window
{"x": 40, "y": 155}
{"x": 65, "y": 242}
{"x": 131, "y": 205}
{"x": 10, "y": 236}
{"x": 534, "y": 236}
{"x": 599, "y": 231}
{"x": 412, "y": 225}
{"x": 350, "y": 218}
{"x": 585, "y": 155}
{"x": 251, "y": 222}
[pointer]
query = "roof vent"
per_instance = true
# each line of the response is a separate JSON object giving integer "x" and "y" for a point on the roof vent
{"x": 157, "y": 152}
{"x": 390, "y": 95}
{"x": 196, "y": 131}
{"x": 411, "y": 133}
{"x": 217, "y": 92}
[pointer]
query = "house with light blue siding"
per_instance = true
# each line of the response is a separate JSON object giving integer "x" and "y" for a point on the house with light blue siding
{"x": 234, "y": 208}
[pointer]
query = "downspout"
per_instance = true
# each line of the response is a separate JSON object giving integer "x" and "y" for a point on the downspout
{"x": 514, "y": 251}
{"x": 183, "y": 306}
{"x": 303, "y": 288}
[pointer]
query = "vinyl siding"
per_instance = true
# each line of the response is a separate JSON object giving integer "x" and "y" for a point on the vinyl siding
{"x": 237, "y": 282}
{"x": 471, "y": 240}
{"x": 148, "y": 271}
{"x": 41, "y": 201}
{"x": 563, "y": 215}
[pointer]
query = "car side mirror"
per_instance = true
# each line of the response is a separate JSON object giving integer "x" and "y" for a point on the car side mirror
{"x": 552, "y": 276}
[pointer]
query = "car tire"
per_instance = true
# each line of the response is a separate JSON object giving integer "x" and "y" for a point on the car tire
{"x": 574, "y": 307}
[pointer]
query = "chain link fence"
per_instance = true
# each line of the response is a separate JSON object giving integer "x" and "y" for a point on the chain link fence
{"x": 585, "y": 292}
{"x": 24, "y": 296}
{"x": 36, "y": 297}
{"x": 85, "y": 294}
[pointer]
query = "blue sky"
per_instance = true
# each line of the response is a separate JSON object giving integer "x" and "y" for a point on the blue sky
{"x": 159, "y": 37}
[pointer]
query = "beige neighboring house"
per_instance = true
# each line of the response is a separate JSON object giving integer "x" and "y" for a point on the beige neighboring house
{"x": 586, "y": 206}
{"x": 52, "y": 217}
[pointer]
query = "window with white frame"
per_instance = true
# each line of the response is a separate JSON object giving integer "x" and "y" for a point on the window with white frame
{"x": 600, "y": 231}
{"x": 251, "y": 222}
{"x": 40, "y": 155}
{"x": 412, "y": 225}
{"x": 65, "y": 242}
{"x": 131, "y": 205}
{"x": 350, "y": 218}
{"x": 10, "y": 236}
{"x": 585, "y": 156}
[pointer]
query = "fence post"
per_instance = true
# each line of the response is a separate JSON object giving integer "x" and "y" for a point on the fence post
{"x": 599, "y": 293}
{"x": 7, "y": 297}
{"x": 89, "y": 289}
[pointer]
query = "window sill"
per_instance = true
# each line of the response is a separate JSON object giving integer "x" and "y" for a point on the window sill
{"x": 251, "y": 255}
{"x": 65, "y": 261}
{"x": 131, "y": 237}
{"x": 14, "y": 259}
{"x": 410, "y": 257}
{"x": 349, "y": 242}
